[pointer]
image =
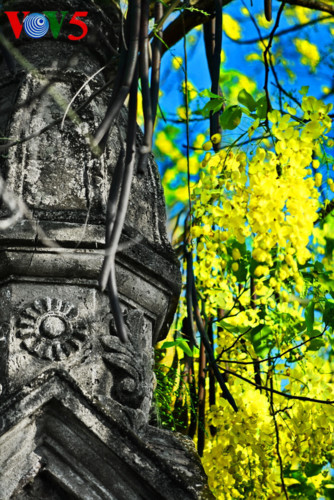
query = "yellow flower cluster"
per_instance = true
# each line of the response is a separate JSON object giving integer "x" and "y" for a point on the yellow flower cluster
{"x": 270, "y": 200}
{"x": 241, "y": 459}
{"x": 253, "y": 233}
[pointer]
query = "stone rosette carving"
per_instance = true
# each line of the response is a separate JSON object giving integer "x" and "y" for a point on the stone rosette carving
{"x": 51, "y": 329}
{"x": 130, "y": 363}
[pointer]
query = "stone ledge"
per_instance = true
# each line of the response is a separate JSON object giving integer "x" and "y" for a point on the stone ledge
{"x": 51, "y": 426}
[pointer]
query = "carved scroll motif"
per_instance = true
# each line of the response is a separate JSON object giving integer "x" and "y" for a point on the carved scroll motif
{"x": 130, "y": 363}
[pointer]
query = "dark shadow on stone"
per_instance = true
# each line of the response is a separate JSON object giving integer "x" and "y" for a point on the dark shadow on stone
{"x": 42, "y": 487}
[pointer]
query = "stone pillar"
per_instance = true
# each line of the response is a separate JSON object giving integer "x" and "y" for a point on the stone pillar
{"x": 75, "y": 401}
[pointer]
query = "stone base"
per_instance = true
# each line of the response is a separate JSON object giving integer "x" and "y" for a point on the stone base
{"x": 57, "y": 444}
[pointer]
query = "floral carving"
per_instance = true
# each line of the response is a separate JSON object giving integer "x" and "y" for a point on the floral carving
{"x": 51, "y": 329}
{"x": 130, "y": 363}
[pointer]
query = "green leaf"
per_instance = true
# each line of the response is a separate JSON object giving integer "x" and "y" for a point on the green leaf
{"x": 297, "y": 474}
{"x": 181, "y": 343}
{"x": 248, "y": 113}
{"x": 253, "y": 265}
{"x": 167, "y": 345}
{"x": 315, "y": 345}
{"x": 262, "y": 340}
{"x": 299, "y": 326}
{"x": 309, "y": 317}
{"x": 242, "y": 272}
{"x": 247, "y": 100}
{"x": 303, "y": 491}
{"x": 313, "y": 469}
{"x": 214, "y": 105}
{"x": 261, "y": 107}
{"x": 328, "y": 317}
{"x": 184, "y": 346}
{"x": 304, "y": 90}
{"x": 233, "y": 328}
{"x": 329, "y": 246}
{"x": 329, "y": 490}
{"x": 318, "y": 267}
{"x": 231, "y": 118}
{"x": 208, "y": 93}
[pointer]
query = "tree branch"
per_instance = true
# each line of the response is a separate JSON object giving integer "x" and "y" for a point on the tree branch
{"x": 266, "y": 57}
{"x": 284, "y": 394}
{"x": 272, "y": 357}
{"x": 277, "y": 439}
{"x": 174, "y": 31}
{"x": 211, "y": 358}
{"x": 115, "y": 221}
{"x": 189, "y": 20}
{"x": 312, "y": 4}
{"x": 280, "y": 33}
{"x": 144, "y": 64}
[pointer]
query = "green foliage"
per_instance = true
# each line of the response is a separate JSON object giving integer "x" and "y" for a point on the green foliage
{"x": 231, "y": 118}
{"x": 181, "y": 343}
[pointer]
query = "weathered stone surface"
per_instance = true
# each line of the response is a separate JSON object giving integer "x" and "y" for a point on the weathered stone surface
{"x": 75, "y": 401}
{"x": 88, "y": 453}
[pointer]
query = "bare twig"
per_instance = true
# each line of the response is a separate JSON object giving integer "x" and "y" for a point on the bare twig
{"x": 124, "y": 178}
{"x": 280, "y": 88}
{"x": 47, "y": 127}
{"x": 156, "y": 60}
{"x": 211, "y": 358}
{"x": 201, "y": 401}
{"x": 284, "y": 394}
{"x": 232, "y": 345}
{"x": 186, "y": 102}
{"x": 189, "y": 296}
{"x": 162, "y": 20}
{"x": 213, "y": 32}
{"x": 273, "y": 357}
{"x": 212, "y": 378}
{"x": 266, "y": 58}
{"x": 78, "y": 92}
{"x": 279, "y": 456}
{"x": 146, "y": 146}
{"x": 124, "y": 77}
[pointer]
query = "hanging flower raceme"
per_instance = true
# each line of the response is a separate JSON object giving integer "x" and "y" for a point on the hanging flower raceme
{"x": 266, "y": 204}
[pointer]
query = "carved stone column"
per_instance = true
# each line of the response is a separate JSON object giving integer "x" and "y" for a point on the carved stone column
{"x": 75, "y": 401}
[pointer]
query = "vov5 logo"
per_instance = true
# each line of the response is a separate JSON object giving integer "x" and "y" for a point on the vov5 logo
{"x": 37, "y": 25}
